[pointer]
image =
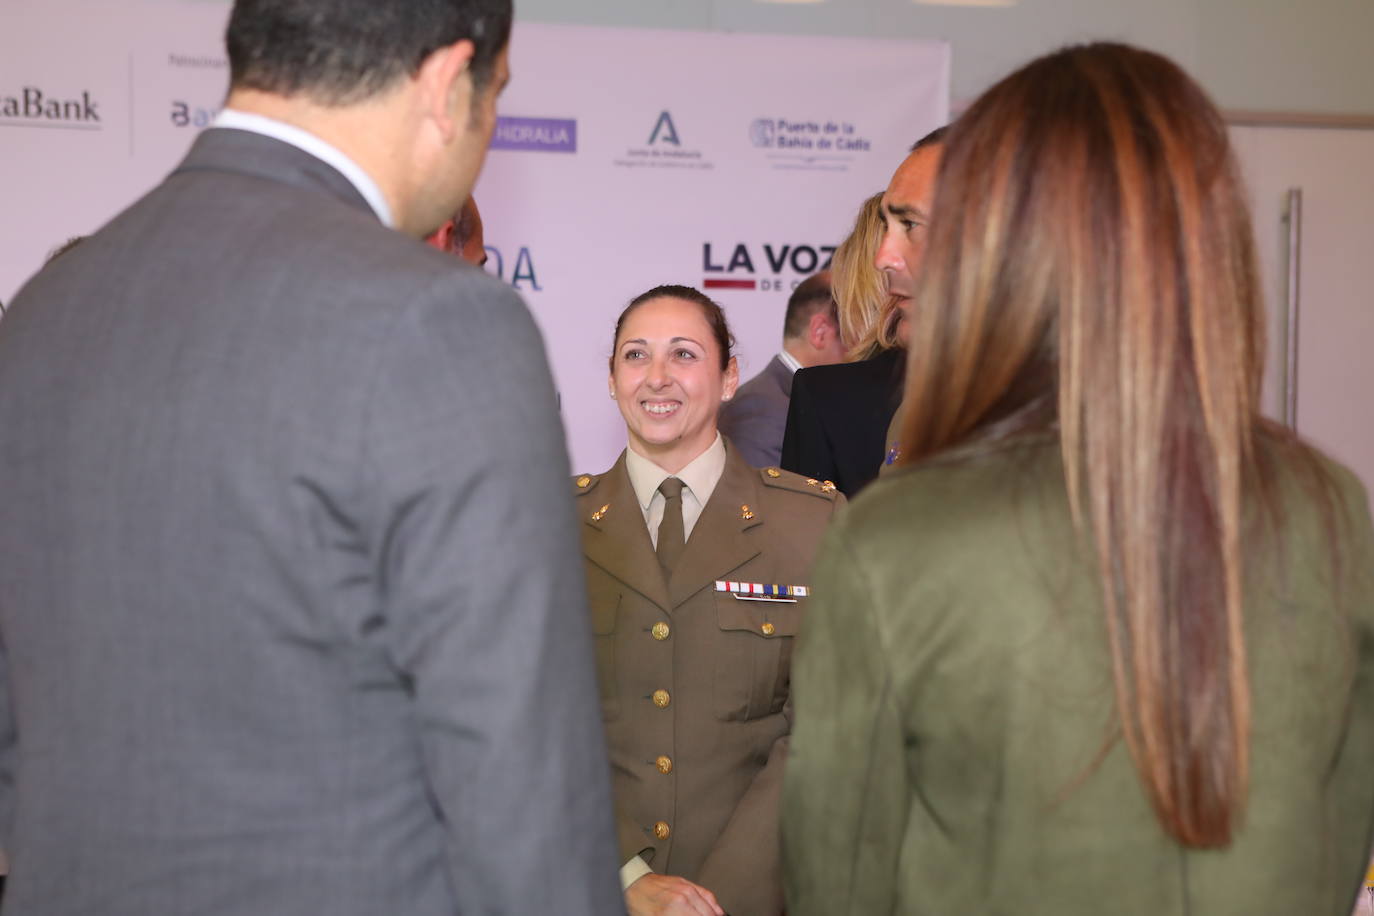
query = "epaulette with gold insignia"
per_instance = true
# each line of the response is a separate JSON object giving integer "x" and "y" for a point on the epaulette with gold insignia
{"x": 776, "y": 477}
{"x": 585, "y": 483}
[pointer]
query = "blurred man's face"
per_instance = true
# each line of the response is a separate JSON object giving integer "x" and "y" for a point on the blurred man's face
{"x": 471, "y": 247}
{"x": 483, "y": 120}
{"x": 462, "y": 235}
{"x": 451, "y": 173}
{"x": 906, "y": 217}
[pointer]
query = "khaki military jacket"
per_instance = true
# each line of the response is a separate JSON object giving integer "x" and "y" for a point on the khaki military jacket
{"x": 695, "y": 682}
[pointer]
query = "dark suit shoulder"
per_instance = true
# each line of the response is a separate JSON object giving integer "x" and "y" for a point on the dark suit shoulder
{"x": 884, "y": 365}
{"x": 796, "y": 483}
{"x": 880, "y": 373}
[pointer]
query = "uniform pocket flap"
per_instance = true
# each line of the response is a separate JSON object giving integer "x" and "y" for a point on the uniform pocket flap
{"x": 762, "y": 618}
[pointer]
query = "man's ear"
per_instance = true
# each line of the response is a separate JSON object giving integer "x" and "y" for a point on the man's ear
{"x": 445, "y": 79}
{"x": 442, "y": 237}
{"x": 820, "y": 330}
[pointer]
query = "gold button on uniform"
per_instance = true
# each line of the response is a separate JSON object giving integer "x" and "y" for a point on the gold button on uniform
{"x": 662, "y": 830}
{"x": 662, "y": 699}
{"x": 768, "y": 629}
{"x": 665, "y": 765}
{"x": 773, "y": 472}
{"x": 660, "y": 631}
{"x": 583, "y": 481}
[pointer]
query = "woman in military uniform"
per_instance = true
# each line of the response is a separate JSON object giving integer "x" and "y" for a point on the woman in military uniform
{"x": 697, "y": 572}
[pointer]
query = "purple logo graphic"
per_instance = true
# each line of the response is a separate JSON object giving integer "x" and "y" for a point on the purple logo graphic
{"x": 544, "y": 135}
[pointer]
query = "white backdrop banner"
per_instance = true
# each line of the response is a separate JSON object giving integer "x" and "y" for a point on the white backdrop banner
{"x": 624, "y": 159}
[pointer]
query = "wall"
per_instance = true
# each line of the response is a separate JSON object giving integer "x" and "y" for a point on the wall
{"x": 1313, "y": 56}
{"x": 1268, "y": 55}
{"x": 1335, "y": 318}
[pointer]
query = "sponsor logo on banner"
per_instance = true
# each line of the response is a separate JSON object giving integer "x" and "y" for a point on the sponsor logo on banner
{"x": 197, "y": 61}
{"x": 32, "y": 106}
{"x": 664, "y": 149}
{"x": 519, "y": 271}
{"x": 664, "y": 131}
{"x": 829, "y": 146}
{"x": 541, "y": 135}
{"x": 184, "y": 113}
{"x": 768, "y": 266}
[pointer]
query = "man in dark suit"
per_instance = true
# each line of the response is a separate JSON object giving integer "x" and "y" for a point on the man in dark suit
{"x": 267, "y": 647}
{"x": 838, "y": 417}
{"x": 755, "y": 418}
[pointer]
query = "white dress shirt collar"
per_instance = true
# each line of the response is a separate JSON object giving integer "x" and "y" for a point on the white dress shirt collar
{"x": 789, "y": 360}
{"x": 308, "y": 142}
{"x": 699, "y": 480}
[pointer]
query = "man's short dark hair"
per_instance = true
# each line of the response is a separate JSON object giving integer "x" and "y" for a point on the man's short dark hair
{"x": 338, "y": 52}
{"x": 810, "y": 296}
{"x": 935, "y": 136}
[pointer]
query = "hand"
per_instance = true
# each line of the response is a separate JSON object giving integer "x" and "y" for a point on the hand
{"x": 669, "y": 895}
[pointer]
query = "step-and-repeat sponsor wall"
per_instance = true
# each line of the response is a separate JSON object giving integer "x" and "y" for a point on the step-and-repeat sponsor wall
{"x": 624, "y": 159}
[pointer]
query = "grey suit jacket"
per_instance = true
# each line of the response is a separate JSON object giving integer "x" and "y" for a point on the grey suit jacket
{"x": 290, "y": 599}
{"x": 756, "y": 417}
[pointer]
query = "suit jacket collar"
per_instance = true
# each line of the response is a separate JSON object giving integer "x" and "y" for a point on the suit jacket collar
{"x": 246, "y": 153}
{"x": 718, "y": 545}
{"x": 889, "y": 366}
{"x": 781, "y": 373}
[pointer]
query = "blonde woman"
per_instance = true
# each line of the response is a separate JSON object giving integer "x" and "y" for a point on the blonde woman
{"x": 864, "y": 306}
{"x": 1105, "y": 642}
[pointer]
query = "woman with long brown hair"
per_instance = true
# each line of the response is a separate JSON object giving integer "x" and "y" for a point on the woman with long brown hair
{"x": 1106, "y": 642}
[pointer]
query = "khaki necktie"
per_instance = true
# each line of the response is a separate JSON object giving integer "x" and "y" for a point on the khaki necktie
{"x": 670, "y": 536}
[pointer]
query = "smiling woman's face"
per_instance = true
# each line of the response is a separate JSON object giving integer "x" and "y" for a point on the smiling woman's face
{"x": 667, "y": 380}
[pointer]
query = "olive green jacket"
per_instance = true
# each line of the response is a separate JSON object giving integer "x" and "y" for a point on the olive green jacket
{"x": 695, "y": 682}
{"x": 954, "y": 751}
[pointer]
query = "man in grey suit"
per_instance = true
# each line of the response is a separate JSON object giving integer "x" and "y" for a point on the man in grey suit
{"x": 755, "y": 419}
{"x": 291, "y": 604}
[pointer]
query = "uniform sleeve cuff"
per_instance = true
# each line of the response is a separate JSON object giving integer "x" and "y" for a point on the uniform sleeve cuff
{"x": 632, "y": 871}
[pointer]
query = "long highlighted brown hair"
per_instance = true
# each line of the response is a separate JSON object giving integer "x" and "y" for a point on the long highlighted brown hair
{"x": 1091, "y": 270}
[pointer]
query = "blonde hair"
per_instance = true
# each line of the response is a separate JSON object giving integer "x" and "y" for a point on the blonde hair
{"x": 864, "y": 307}
{"x": 1092, "y": 269}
